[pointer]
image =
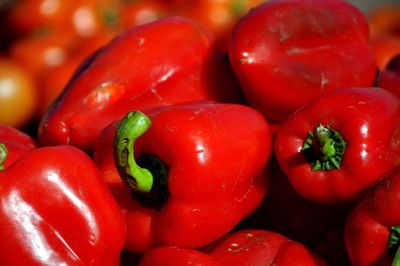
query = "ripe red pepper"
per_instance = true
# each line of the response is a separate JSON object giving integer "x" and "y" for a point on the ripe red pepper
{"x": 175, "y": 256}
{"x": 284, "y": 211}
{"x": 389, "y": 77}
{"x": 55, "y": 209}
{"x": 244, "y": 247}
{"x": 14, "y": 144}
{"x": 334, "y": 148}
{"x": 372, "y": 232}
{"x": 201, "y": 171}
{"x": 286, "y": 53}
{"x": 168, "y": 61}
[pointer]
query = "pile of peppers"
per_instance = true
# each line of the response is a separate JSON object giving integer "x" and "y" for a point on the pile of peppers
{"x": 164, "y": 150}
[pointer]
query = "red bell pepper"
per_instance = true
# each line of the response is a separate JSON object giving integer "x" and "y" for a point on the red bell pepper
{"x": 244, "y": 247}
{"x": 284, "y": 211}
{"x": 286, "y": 53}
{"x": 337, "y": 146}
{"x": 175, "y": 256}
{"x": 55, "y": 209}
{"x": 389, "y": 77}
{"x": 168, "y": 61}
{"x": 201, "y": 171}
{"x": 13, "y": 145}
{"x": 372, "y": 232}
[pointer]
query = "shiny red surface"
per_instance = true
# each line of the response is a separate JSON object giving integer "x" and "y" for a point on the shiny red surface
{"x": 368, "y": 119}
{"x": 216, "y": 155}
{"x": 168, "y": 61}
{"x": 55, "y": 209}
{"x": 367, "y": 228}
{"x": 286, "y": 53}
{"x": 245, "y": 247}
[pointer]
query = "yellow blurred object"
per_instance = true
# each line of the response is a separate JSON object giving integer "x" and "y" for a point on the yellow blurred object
{"x": 18, "y": 95}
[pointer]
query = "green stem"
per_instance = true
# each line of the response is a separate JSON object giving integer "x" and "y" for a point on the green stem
{"x": 394, "y": 244}
{"x": 131, "y": 127}
{"x": 324, "y": 148}
{"x": 3, "y": 155}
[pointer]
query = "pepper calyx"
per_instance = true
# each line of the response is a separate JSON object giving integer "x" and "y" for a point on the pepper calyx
{"x": 324, "y": 148}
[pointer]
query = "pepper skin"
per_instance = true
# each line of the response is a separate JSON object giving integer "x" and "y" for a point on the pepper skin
{"x": 174, "y": 256}
{"x": 284, "y": 211}
{"x": 337, "y": 146}
{"x": 372, "y": 232}
{"x": 204, "y": 171}
{"x": 13, "y": 144}
{"x": 287, "y": 52}
{"x": 244, "y": 247}
{"x": 168, "y": 61}
{"x": 55, "y": 209}
{"x": 389, "y": 77}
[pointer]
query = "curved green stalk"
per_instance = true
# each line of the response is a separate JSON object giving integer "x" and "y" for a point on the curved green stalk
{"x": 131, "y": 127}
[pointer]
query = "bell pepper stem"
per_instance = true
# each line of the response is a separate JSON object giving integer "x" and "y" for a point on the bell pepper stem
{"x": 394, "y": 244}
{"x": 324, "y": 148}
{"x": 327, "y": 144}
{"x": 131, "y": 127}
{"x": 3, "y": 155}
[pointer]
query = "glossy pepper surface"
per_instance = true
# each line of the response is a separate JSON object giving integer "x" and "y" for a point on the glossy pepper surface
{"x": 201, "y": 171}
{"x": 372, "y": 232}
{"x": 244, "y": 247}
{"x": 55, "y": 209}
{"x": 286, "y": 53}
{"x": 14, "y": 144}
{"x": 337, "y": 146}
{"x": 168, "y": 61}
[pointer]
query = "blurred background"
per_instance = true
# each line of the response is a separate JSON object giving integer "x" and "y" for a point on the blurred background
{"x": 43, "y": 41}
{"x": 368, "y": 5}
